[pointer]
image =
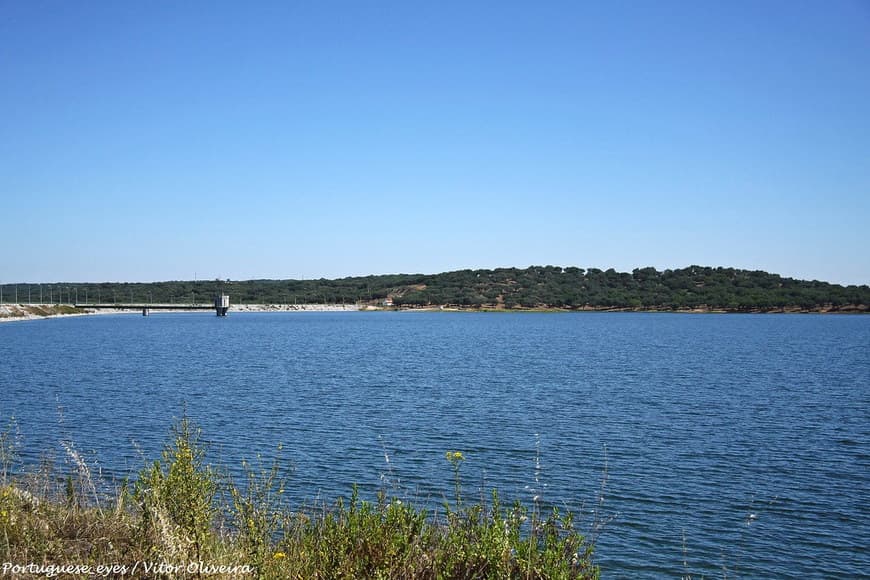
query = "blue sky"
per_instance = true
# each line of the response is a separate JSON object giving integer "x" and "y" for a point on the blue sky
{"x": 166, "y": 140}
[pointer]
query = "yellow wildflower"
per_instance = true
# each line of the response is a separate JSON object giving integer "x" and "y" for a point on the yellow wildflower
{"x": 279, "y": 555}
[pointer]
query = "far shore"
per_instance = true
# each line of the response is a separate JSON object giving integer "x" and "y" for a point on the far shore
{"x": 20, "y": 312}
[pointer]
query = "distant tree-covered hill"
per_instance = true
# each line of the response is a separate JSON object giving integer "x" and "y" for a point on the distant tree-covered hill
{"x": 643, "y": 288}
{"x": 508, "y": 288}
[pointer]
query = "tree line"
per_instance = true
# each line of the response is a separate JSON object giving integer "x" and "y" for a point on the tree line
{"x": 509, "y": 288}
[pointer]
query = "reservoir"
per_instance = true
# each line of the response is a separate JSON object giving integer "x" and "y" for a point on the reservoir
{"x": 703, "y": 444}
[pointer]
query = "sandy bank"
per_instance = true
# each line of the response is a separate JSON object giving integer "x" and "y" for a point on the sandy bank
{"x": 294, "y": 308}
{"x": 14, "y": 312}
{"x": 17, "y": 312}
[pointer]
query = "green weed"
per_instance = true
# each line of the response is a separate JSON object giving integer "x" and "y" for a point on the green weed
{"x": 180, "y": 510}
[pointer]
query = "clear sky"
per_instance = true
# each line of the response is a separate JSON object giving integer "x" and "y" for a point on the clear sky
{"x": 170, "y": 140}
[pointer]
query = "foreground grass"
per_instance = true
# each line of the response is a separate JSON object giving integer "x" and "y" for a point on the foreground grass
{"x": 182, "y": 519}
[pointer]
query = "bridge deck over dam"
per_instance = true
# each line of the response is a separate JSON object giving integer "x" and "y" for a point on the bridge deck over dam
{"x": 221, "y": 306}
{"x": 134, "y": 306}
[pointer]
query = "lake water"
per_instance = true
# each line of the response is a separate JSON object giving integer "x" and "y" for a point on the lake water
{"x": 737, "y": 444}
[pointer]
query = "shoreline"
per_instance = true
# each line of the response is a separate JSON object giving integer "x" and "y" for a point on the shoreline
{"x": 23, "y": 312}
{"x": 786, "y": 310}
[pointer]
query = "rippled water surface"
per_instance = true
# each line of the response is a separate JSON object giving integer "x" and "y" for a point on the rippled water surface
{"x": 735, "y": 445}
